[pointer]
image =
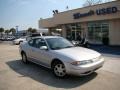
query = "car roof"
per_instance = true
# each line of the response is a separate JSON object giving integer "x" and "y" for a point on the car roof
{"x": 46, "y": 37}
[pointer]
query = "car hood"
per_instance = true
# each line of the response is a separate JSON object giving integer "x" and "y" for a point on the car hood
{"x": 78, "y": 53}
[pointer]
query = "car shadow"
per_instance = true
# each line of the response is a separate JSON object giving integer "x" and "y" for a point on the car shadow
{"x": 45, "y": 76}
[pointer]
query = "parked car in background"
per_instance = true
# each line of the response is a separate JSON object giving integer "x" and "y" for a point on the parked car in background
{"x": 19, "y": 40}
{"x": 1, "y": 39}
{"x": 61, "y": 56}
{"x": 9, "y": 38}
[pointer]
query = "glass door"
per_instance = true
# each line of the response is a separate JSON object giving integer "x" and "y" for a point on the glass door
{"x": 73, "y": 31}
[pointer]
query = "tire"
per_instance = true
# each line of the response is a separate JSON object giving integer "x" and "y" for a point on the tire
{"x": 59, "y": 69}
{"x": 24, "y": 58}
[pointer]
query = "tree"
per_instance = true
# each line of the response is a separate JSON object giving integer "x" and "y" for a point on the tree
{"x": 13, "y": 30}
{"x": 34, "y": 30}
{"x": 92, "y": 2}
{"x": 1, "y": 32}
{"x": 31, "y": 30}
{"x": 7, "y": 32}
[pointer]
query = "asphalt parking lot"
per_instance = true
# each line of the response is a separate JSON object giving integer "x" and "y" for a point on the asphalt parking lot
{"x": 15, "y": 75}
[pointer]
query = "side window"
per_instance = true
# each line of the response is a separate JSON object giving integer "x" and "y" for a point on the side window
{"x": 30, "y": 42}
{"x": 40, "y": 42}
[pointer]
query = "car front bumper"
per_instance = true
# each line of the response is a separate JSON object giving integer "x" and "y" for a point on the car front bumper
{"x": 82, "y": 70}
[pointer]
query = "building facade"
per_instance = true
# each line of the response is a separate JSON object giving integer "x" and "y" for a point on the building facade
{"x": 93, "y": 22}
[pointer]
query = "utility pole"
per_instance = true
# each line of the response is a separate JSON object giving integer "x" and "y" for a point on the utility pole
{"x": 17, "y": 31}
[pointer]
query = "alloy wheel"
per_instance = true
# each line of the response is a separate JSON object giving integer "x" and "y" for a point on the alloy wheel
{"x": 59, "y": 70}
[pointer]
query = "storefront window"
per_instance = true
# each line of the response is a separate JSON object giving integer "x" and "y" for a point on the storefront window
{"x": 97, "y": 31}
{"x": 56, "y": 31}
{"x": 73, "y": 30}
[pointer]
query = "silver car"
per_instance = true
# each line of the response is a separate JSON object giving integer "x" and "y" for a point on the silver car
{"x": 19, "y": 40}
{"x": 61, "y": 56}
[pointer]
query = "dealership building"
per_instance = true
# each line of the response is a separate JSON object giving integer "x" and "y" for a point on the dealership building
{"x": 93, "y": 22}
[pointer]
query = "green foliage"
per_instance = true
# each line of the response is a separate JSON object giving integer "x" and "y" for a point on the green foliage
{"x": 7, "y": 31}
{"x": 34, "y": 30}
{"x": 13, "y": 30}
{"x": 1, "y": 30}
{"x": 31, "y": 30}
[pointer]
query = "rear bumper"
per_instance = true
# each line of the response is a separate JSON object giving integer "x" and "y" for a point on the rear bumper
{"x": 84, "y": 69}
{"x": 15, "y": 42}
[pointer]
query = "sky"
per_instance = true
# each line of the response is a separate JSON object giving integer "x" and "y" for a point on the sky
{"x": 26, "y": 13}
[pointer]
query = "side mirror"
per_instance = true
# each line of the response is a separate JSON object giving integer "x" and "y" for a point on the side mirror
{"x": 43, "y": 48}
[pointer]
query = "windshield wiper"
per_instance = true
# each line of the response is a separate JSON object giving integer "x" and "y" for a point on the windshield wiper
{"x": 57, "y": 48}
{"x": 68, "y": 46}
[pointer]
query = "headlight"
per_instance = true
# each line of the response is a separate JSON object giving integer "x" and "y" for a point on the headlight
{"x": 100, "y": 57}
{"x": 76, "y": 63}
{"x": 97, "y": 59}
{"x": 82, "y": 62}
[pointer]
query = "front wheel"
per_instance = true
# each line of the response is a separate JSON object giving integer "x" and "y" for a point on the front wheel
{"x": 24, "y": 58}
{"x": 59, "y": 69}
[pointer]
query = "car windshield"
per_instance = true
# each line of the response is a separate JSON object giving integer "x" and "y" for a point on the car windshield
{"x": 58, "y": 43}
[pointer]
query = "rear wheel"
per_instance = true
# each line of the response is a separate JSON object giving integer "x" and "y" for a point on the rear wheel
{"x": 24, "y": 58}
{"x": 59, "y": 69}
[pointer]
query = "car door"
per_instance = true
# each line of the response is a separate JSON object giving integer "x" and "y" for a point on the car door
{"x": 30, "y": 49}
{"x": 44, "y": 57}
